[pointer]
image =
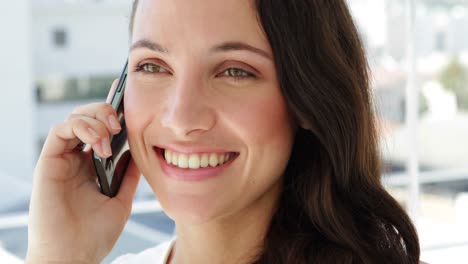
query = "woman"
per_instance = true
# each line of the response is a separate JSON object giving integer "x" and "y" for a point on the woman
{"x": 272, "y": 96}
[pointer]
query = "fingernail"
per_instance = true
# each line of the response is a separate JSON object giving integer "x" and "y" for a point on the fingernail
{"x": 93, "y": 132}
{"x": 114, "y": 123}
{"x": 106, "y": 147}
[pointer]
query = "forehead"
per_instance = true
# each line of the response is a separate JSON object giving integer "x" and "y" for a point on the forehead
{"x": 198, "y": 22}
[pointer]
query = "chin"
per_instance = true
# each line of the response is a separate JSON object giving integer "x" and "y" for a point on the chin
{"x": 189, "y": 210}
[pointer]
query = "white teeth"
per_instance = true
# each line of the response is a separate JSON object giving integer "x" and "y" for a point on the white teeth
{"x": 195, "y": 161}
{"x": 213, "y": 161}
{"x": 183, "y": 161}
{"x": 204, "y": 161}
{"x": 168, "y": 156}
{"x": 175, "y": 158}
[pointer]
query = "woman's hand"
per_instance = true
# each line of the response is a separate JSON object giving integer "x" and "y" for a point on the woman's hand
{"x": 70, "y": 221}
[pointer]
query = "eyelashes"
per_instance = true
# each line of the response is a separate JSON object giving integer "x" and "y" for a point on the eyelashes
{"x": 234, "y": 73}
{"x": 151, "y": 68}
{"x": 238, "y": 74}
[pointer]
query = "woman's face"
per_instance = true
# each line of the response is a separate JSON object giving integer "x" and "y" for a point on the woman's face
{"x": 202, "y": 87}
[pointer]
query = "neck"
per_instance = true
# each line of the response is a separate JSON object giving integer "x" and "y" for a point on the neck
{"x": 237, "y": 238}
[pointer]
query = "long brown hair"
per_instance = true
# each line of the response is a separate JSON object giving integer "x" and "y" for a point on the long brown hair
{"x": 333, "y": 208}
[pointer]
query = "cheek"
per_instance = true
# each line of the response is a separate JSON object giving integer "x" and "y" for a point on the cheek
{"x": 264, "y": 126}
{"x": 141, "y": 105}
{"x": 140, "y": 111}
{"x": 271, "y": 137}
{"x": 134, "y": 111}
{"x": 262, "y": 120}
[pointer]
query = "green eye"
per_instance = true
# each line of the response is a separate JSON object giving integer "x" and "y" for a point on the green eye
{"x": 150, "y": 68}
{"x": 237, "y": 73}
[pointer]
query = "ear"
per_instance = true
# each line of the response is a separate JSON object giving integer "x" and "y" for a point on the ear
{"x": 304, "y": 124}
{"x": 300, "y": 121}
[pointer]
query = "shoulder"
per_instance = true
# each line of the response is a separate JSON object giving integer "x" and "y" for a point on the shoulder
{"x": 157, "y": 255}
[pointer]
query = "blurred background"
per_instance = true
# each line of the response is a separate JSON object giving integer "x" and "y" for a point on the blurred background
{"x": 57, "y": 54}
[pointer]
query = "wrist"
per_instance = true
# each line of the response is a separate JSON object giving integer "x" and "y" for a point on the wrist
{"x": 51, "y": 260}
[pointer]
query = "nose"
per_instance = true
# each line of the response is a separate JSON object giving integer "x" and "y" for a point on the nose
{"x": 187, "y": 112}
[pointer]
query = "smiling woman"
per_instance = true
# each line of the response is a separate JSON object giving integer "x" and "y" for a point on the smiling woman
{"x": 252, "y": 123}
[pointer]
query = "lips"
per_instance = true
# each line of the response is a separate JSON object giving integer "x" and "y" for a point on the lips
{"x": 195, "y": 166}
{"x": 196, "y": 160}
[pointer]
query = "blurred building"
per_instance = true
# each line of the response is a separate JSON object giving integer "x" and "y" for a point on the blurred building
{"x": 56, "y": 55}
{"x": 17, "y": 151}
{"x": 79, "y": 48}
{"x": 441, "y": 32}
{"x": 440, "y": 35}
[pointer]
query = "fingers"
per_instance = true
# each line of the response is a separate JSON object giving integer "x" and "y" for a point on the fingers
{"x": 91, "y": 124}
{"x": 65, "y": 137}
{"x": 128, "y": 186}
{"x": 100, "y": 111}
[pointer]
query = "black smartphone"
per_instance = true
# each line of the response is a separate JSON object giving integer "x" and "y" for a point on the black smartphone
{"x": 110, "y": 171}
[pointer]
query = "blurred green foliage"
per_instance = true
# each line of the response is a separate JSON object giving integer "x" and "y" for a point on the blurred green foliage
{"x": 454, "y": 78}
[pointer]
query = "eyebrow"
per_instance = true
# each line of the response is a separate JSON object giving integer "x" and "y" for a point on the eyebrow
{"x": 144, "y": 43}
{"x": 223, "y": 47}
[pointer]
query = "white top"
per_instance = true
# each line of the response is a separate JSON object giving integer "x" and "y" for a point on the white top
{"x": 154, "y": 255}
